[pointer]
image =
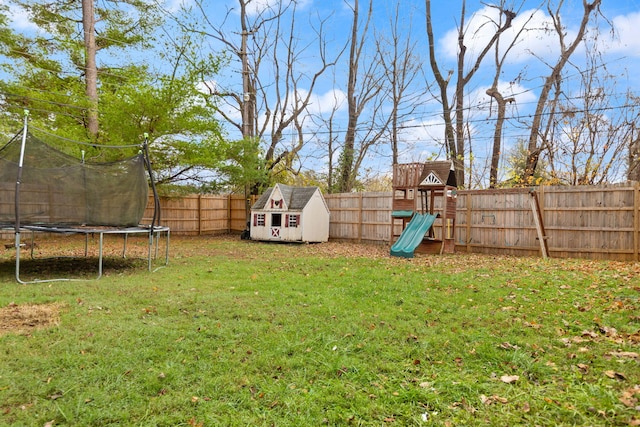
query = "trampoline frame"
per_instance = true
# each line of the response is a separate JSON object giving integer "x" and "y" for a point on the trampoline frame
{"x": 154, "y": 236}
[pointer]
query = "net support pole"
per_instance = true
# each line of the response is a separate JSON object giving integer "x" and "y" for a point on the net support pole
{"x": 17, "y": 193}
{"x": 155, "y": 221}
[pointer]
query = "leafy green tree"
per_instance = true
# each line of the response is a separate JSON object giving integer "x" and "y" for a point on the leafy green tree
{"x": 149, "y": 82}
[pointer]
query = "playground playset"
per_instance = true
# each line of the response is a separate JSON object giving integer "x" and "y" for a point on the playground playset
{"x": 424, "y": 208}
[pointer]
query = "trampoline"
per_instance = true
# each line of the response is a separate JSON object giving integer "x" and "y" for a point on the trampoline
{"x": 46, "y": 190}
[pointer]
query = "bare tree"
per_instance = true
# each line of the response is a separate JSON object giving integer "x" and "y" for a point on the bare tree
{"x": 537, "y": 141}
{"x": 594, "y": 128}
{"x": 276, "y": 88}
{"x": 366, "y": 90}
{"x": 402, "y": 68}
{"x": 455, "y": 137}
{"x": 328, "y": 137}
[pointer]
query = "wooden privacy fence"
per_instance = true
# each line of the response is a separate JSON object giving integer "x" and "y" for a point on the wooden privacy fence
{"x": 585, "y": 222}
{"x": 201, "y": 214}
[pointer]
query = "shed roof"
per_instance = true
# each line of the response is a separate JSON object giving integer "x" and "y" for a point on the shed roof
{"x": 295, "y": 198}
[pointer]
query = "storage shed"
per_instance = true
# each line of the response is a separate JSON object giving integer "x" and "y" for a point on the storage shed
{"x": 290, "y": 214}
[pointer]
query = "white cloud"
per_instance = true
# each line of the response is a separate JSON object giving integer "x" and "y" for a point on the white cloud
{"x": 627, "y": 35}
{"x": 176, "y": 5}
{"x": 256, "y": 7}
{"x": 421, "y": 140}
{"x": 325, "y": 103}
{"x": 19, "y": 19}
{"x": 207, "y": 87}
{"x": 536, "y": 37}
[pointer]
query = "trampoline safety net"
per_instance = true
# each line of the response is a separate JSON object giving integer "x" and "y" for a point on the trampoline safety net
{"x": 59, "y": 189}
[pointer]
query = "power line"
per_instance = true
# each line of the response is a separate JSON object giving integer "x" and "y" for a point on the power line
{"x": 92, "y": 144}
{"x": 46, "y": 101}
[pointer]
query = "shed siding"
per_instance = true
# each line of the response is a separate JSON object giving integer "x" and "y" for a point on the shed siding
{"x": 315, "y": 220}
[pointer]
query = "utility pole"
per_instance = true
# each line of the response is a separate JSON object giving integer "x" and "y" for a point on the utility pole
{"x": 247, "y": 99}
{"x": 247, "y": 87}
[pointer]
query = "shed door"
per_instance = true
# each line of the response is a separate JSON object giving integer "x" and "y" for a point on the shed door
{"x": 276, "y": 223}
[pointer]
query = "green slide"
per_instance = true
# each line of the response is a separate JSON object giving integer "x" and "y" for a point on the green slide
{"x": 412, "y": 235}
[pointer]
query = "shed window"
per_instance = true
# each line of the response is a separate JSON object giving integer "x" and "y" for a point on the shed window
{"x": 276, "y": 220}
{"x": 258, "y": 220}
{"x": 292, "y": 221}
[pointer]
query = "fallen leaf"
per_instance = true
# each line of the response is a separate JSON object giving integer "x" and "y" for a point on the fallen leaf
{"x": 509, "y": 378}
{"x": 583, "y": 367}
{"x": 492, "y": 399}
{"x": 628, "y": 354}
{"x": 630, "y": 397}
{"x": 553, "y": 401}
{"x": 533, "y": 325}
{"x": 615, "y": 375}
{"x": 508, "y": 346}
{"x": 609, "y": 331}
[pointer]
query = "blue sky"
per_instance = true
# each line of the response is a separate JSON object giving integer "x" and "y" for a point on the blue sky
{"x": 423, "y": 130}
{"x": 522, "y": 75}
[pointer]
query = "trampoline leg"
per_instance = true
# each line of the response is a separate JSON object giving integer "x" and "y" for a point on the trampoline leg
{"x": 18, "y": 259}
{"x": 155, "y": 248}
{"x": 166, "y": 254}
{"x": 124, "y": 247}
{"x": 149, "y": 250}
{"x": 100, "y": 256}
{"x": 33, "y": 243}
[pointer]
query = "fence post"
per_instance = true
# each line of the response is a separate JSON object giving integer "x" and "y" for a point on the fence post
{"x": 229, "y": 213}
{"x": 199, "y": 214}
{"x": 360, "y": 215}
{"x": 469, "y": 218}
{"x": 636, "y": 221}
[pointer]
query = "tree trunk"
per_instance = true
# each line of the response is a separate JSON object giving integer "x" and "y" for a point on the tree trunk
{"x": 345, "y": 183}
{"x": 455, "y": 138}
{"x": 443, "y": 83}
{"x": 497, "y": 134}
{"x": 458, "y": 160}
{"x": 91, "y": 70}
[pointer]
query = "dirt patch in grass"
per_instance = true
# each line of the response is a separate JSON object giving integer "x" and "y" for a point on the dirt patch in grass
{"x": 22, "y": 319}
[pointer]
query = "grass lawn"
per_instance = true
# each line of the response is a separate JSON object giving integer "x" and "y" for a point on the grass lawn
{"x": 238, "y": 333}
